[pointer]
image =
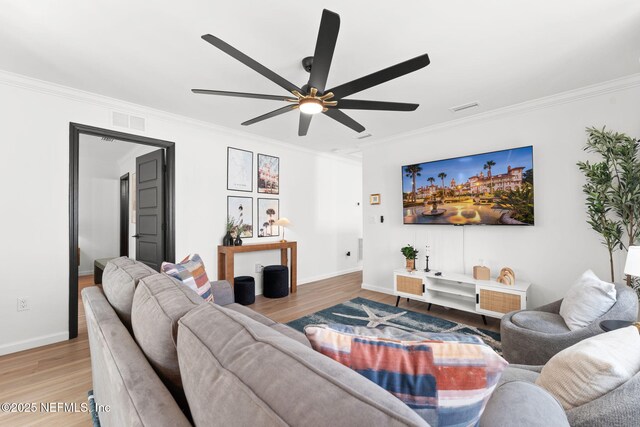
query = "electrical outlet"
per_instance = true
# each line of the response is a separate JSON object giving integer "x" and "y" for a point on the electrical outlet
{"x": 259, "y": 268}
{"x": 23, "y": 304}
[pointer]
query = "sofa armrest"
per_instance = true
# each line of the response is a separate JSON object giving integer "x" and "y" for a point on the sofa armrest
{"x": 222, "y": 292}
{"x": 520, "y": 403}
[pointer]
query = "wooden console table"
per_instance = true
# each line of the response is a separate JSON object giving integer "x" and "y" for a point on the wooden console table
{"x": 226, "y": 259}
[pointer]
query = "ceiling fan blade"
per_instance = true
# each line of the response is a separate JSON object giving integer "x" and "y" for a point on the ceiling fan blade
{"x": 303, "y": 126}
{"x": 270, "y": 115}
{"x": 243, "y": 94}
{"x": 357, "y": 104}
{"x": 325, "y": 45}
{"x": 341, "y": 117}
{"x": 379, "y": 77}
{"x": 251, "y": 63}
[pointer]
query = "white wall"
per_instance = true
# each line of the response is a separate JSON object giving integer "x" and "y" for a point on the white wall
{"x": 319, "y": 194}
{"x": 550, "y": 254}
{"x": 98, "y": 207}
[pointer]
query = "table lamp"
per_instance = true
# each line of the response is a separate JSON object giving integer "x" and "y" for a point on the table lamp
{"x": 284, "y": 222}
{"x": 632, "y": 266}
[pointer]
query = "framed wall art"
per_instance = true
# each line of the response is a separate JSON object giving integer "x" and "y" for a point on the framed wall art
{"x": 240, "y": 212}
{"x": 268, "y": 213}
{"x": 239, "y": 169}
{"x": 268, "y": 174}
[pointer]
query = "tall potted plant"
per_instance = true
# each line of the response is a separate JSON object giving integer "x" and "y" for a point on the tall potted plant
{"x": 410, "y": 253}
{"x": 613, "y": 189}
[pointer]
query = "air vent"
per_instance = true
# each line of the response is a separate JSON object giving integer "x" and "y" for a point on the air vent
{"x": 107, "y": 139}
{"x": 464, "y": 107}
{"x": 127, "y": 121}
{"x": 366, "y": 135}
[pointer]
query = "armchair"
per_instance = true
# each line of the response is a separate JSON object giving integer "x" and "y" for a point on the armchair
{"x": 532, "y": 337}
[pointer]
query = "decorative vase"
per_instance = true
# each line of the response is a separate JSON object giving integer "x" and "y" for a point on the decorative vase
{"x": 238, "y": 241}
{"x": 227, "y": 240}
{"x": 411, "y": 264}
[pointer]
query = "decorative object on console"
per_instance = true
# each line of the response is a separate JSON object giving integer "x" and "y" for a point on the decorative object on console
{"x": 447, "y": 379}
{"x": 227, "y": 240}
{"x": 506, "y": 277}
{"x": 313, "y": 97}
{"x": 612, "y": 190}
{"x": 592, "y": 368}
{"x": 268, "y": 174}
{"x": 587, "y": 300}
{"x": 268, "y": 214}
{"x": 239, "y": 169}
{"x": 374, "y": 199}
{"x": 504, "y": 196}
{"x": 190, "y": 272}
{"x": 481, "y": 272}
{"x": 284, "y": 223}
{"x": 364, "y": 312}
{"x": 238, "y": 239}
{"x": 410, "y": 253}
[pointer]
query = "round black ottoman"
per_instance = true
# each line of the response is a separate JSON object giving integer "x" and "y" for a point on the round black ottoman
{"x": 244, "y": 290}
{"x": 276, "y": 281}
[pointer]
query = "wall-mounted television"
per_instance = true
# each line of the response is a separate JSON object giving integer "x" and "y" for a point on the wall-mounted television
{"x": 493, "y": 188}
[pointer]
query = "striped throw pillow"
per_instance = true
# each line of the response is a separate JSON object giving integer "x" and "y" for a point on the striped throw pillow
{"x": 190, "y": 272}
{"x": 447, "y": 379}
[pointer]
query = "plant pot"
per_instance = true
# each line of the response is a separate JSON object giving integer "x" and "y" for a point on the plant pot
{"x": 411, "y": 264}
{"x": 227, "y": 240}
{"x": 238, "y": 241}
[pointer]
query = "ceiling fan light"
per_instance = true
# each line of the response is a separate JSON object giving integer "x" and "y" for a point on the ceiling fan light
{"x": 310, "y": 106}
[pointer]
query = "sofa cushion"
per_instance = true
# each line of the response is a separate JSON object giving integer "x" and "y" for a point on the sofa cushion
{"x": 446, "y": 378}
{"x": 158, "y": 304}
{"x": 587, "y": 300}
{"x": 540, "y": 321}
{"x": 239, "y": 308}
{"x": 191, "y": 273}
{"x": 520, "y": 373}
{"x": 234, "y": 368}
{"x": 119, "y": 281}
{"x": 593, "y": 367}
{"x": 520, "y": 403}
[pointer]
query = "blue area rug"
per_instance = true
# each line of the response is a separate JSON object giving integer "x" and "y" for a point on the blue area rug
{"x": 364, "y": 312}
{"x": 92, "y": 409}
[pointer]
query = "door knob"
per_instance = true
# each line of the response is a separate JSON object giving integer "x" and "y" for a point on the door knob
{"x": 136, "y": 236}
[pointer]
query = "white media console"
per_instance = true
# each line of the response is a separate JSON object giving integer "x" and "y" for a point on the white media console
{"x": 461, "y": 292}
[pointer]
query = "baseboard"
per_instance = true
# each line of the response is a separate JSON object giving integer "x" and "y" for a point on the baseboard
{"x": 85, "y": 273}
{"x": 377, "y": 289}
{"x": 33, "y": 343}
{"x": 312, "y": 279}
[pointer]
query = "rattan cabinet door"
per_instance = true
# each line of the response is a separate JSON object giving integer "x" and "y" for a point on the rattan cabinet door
{"x": 499, "y": 302}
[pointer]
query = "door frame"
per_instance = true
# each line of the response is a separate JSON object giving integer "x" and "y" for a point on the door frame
{"x": 75, "y": 130}
{"x": 124, "y": 214}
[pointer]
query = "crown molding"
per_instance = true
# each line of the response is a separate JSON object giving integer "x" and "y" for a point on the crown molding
{"x": 573, "y": 95}
{"x": 77, "y": 95}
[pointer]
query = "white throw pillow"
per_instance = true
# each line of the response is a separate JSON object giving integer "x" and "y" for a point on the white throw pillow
{"x": 593, "y": 367}
{"x": 588, "y": 299}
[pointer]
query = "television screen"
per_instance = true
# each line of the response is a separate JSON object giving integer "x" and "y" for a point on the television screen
{"x": 492, "y": 188}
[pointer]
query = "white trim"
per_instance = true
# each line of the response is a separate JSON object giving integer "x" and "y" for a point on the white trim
{"x": 85, "y": 273}
{"x": 33, "y": 343}
{"x": 54, "y": 89}
{"x": 382, "y": 290}
{"x": 312, "y": 279}
{"x": 573, "y": 95}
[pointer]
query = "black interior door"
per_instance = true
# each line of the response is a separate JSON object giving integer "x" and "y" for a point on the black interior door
{"x": 150, "y": 218}
{"x": 124, "y": 215}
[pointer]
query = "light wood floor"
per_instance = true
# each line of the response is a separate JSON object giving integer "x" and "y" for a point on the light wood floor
{"x": 62, "y": 372}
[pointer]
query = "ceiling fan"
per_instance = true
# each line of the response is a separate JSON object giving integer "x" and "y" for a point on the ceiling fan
{"x": 313, "y": 98}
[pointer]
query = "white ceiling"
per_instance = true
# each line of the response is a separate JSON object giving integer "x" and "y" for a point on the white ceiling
{"x": 497, "y": 52}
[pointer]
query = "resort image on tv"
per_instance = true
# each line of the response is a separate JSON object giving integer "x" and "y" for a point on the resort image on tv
{"x": 492, "y": 188}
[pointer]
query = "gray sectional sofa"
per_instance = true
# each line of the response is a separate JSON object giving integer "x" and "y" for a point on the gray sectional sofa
{"x": 161, "y": 356}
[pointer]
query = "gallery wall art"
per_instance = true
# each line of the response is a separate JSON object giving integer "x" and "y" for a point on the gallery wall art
{"x": 239, "y": 170}
{"x": 268, "y": 174}
{"x": 268, "y": 213}
{"x": 240, "y": 213}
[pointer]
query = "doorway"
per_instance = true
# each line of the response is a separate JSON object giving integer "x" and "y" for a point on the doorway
{"x": 167, "y": 202}
{"x": 124, "y": 215}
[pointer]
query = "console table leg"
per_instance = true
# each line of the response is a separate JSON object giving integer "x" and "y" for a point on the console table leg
{"x": 397, "y": 300}
{"x": 484, "y": 319}
{"x": 429, "y": 308}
